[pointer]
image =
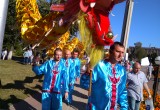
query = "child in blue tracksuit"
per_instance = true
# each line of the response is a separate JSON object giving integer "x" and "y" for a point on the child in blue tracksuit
{"x": 54, "y": 73}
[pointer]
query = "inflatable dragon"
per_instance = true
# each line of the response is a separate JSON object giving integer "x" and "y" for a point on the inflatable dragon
{"x": 52, "y": 31}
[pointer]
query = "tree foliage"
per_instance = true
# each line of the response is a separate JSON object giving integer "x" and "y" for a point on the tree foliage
{"x": 44, "y": 7}
{"x": 12, "y": 36}
{"x": 138, "y": 53}
{"x": 12, "y": 33}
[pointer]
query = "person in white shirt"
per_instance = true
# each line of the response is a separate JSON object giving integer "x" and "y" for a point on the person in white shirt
{"x": 26, "y": 56}
{"x": 30, "y": 53}
{"x": 150, "y": 69}
{"x": 4, "y": 54}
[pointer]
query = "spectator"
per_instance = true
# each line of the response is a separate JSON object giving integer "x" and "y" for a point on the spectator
{"x": 37, "y": 58}
{"x": 4, "y": 54}
{"x": 150, "y": 69}
{"x": 30, "y": 53}
{"x": 25, "y": 57}
{"x": 9, "y": 57}
{"x": 128, "y": 66}
{"x": 44, "y": 55}
{"x": 136, "y": 80}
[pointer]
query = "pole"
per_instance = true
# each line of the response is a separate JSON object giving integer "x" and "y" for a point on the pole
{"x": 126, "y": 23}
{"x": 155, "y": 85}
{"x": 90, "y": 84}
{"x": 3, "y": 16}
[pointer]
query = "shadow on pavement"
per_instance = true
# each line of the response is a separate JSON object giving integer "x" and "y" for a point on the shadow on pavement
{"x": 79, "y": 94}
{"x": 23, "y": 105}
{"x": 78, "y": 105}
{"x": 20, "y": 85}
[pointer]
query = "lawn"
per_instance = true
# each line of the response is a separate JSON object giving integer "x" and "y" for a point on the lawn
{"x": 17, "y": 82}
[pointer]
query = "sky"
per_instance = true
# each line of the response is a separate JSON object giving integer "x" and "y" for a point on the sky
{"x": 145, "y": 22}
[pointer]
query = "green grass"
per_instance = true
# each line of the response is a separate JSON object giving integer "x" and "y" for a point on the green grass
{"x": 17, "y": 82}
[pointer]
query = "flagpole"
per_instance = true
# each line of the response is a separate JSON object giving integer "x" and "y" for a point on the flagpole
{"x": 3, "y": 16}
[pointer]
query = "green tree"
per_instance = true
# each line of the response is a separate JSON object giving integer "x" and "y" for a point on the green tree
{"x": 138, "y": 52}
{"x": 12, "y": 34}
{"x": 44, "y": 7}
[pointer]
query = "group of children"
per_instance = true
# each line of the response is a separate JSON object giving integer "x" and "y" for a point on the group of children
{"x": 60, "y": 74}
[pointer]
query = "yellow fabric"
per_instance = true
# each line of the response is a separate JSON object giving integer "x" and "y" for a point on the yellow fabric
{"x": 58, "y": 43}
{"x": 27, "y": 14}
{"x": 95, "y": 53}
{"x": 33, "y": 27}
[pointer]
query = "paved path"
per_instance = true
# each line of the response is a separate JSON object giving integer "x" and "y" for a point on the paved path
{"x": 79, "y": 100}
{"x": 33, "y": 102}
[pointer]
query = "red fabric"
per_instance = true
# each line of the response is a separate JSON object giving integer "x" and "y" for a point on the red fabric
{"x": 55, "y": 72}
{"x": 99, "y": 23}
{"x": 97, "y": 17}
{"x": 53, "y": 81}
{"x": 91, "y": 1}
{"x": 51, "y": 91}
{"x": 100, "y": 27}
{"x": 57, "y": 7}
{"x": 84, "y": 6}
{"x": 114, "y": 81}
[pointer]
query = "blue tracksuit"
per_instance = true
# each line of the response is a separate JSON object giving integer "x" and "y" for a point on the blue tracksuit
{"x": 108, "y": 87}
{"x": 72, "y": 75}
{"x": 54, "y": 74}
{"x": 77, "y": 64}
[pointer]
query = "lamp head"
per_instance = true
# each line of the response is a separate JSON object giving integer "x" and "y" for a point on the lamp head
{"x": 157, "y": 60}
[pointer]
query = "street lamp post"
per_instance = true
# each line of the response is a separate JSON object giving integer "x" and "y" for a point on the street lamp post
{"x": 3, "y": 16}
{"x": 155, "y": 87}
{"x": 127, "y": 22}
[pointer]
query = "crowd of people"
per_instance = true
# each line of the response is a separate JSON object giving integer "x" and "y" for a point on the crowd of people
{"x": 113, "y": 85}
{"x": 32, "y": 55}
